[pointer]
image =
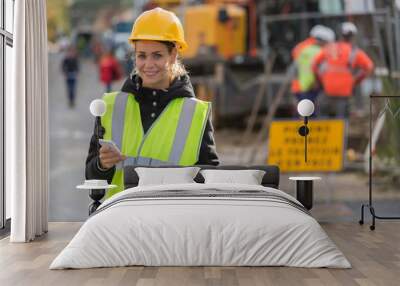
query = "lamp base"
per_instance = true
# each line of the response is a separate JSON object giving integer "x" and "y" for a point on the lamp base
{"x": 303, "y": 130}
{"x": 304, "y": 193}
{"x": 96, "y": 196}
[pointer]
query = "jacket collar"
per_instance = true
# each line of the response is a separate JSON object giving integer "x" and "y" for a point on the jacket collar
{"x": 180, "y": 87}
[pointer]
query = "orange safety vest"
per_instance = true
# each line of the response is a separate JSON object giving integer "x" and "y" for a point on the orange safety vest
{"x": 295, "y": 54}
{"x": 336, "y": 66}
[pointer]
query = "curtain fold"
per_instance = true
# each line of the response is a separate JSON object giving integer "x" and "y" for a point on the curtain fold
{"x": 27, "y": 124}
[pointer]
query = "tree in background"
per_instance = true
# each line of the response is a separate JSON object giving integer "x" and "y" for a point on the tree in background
{"x": 58, "y": 18}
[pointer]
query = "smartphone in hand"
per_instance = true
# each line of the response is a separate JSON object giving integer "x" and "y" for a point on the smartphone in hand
{"x": 110, "y": 143}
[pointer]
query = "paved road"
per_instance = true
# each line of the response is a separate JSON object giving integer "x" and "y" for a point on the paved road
{"x": 70, "y": 131}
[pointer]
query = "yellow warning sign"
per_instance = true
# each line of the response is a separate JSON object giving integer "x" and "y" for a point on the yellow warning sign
{"x": 325, "y": 145}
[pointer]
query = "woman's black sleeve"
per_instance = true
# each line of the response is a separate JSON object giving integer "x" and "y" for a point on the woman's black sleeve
{"x": 208, "y": 153}
{"x": 92, "y": 170}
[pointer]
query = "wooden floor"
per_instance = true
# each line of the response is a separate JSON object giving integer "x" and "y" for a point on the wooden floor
{"x": 374, "y": 255}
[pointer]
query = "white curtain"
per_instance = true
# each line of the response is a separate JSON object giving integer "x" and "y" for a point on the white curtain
{"x": 27, "y": 124}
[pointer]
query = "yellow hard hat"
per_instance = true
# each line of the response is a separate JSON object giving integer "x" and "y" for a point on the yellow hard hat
{"x": 159, "y": 25}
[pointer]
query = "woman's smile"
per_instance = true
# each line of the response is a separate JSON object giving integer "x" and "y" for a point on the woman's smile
{"x": 150, "y": 73}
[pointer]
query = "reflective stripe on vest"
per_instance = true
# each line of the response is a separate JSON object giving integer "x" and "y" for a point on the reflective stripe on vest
{"x": 304, "y": 60}
{"x": 324, "y": 66}
{"x": 119, "y": 118}
{"x": 185, "y": 121}
{"x": 143, "y": 161}
{"x": 352, "y": 56}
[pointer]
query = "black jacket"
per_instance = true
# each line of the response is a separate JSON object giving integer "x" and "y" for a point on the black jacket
{"x": 152, "y": 102}
{"x": 70, "y": 67}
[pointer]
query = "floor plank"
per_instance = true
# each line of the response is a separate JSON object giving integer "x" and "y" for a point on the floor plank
{"x": 374, "y": 255}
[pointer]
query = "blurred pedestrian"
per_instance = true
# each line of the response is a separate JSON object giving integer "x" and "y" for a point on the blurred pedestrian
{"x": 109, "y": 69}
{"x": 340, "y": 67}
{"x": 70, "y": 69}
{"x": 304, "y": 85}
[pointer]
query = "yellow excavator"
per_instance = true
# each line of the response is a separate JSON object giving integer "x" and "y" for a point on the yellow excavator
{"x": 226, "y": 28}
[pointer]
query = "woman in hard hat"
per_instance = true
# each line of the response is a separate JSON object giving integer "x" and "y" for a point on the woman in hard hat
{"x": 155, "y": 120}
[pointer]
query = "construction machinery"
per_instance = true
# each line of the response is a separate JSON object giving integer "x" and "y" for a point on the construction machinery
{"x": 215, "y": 28}
{"x": 226, "y": 28}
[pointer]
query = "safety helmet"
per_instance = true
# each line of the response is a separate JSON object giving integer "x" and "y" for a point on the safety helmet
{"x": 159, "y": 25}
{"x": 322, "y": 33}
{"x": 348, "y": 28}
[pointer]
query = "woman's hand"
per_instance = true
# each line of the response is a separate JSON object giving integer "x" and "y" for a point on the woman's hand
{"x": 109, "y": 157}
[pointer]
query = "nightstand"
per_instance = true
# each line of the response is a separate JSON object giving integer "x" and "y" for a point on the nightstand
{"x": 304, "y": 190}
{"x": 97, "y": 190}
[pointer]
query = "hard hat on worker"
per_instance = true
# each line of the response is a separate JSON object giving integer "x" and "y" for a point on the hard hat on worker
{"x": 159, "y": 25}
{"x": 322, "y": 33}
{"x": 348, "y": 28}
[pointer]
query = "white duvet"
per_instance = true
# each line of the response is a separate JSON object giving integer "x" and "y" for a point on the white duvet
{"x": 183, "y": 231}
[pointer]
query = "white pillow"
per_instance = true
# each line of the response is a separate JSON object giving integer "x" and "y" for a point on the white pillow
{"x": 248, "y": 177}
{"x": 162, "y": 176}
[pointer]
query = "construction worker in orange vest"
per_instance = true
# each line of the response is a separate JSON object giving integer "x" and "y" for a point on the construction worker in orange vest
{"x": 339, "y": 67}
{"x": 304, "y": 85}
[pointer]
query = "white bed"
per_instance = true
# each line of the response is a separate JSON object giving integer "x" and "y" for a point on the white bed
{"x": 249, "y": 225}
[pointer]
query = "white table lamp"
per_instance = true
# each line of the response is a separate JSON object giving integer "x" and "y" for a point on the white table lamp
{"x": 305, "y": 108}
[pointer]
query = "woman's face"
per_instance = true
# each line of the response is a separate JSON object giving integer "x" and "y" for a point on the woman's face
{"x": 153, "y": 63}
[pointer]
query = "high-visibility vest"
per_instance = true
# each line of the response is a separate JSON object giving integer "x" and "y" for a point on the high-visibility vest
{"x": 173, "y": 139}
{"x": 297, "y": 50}
{"x": 305, "y": 74}
{"x": 337, "y": 68}
{"x": 300, "y": 46}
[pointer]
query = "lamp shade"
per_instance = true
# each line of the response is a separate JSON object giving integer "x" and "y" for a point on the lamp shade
{"x": 98, "y": 107}
{"x": 305, "y": 107}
